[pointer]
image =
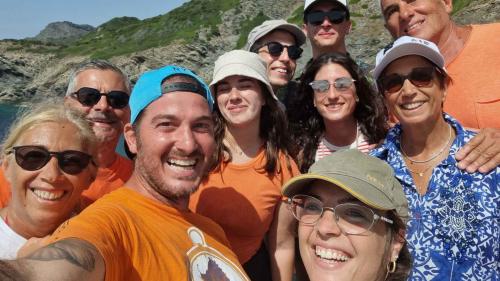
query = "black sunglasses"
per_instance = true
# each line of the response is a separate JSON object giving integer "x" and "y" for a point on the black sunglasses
{"x": 90, "y": 97}
{"x": 275, "y": 49}
{"x": 32, "y": 158}
{"x": 334, "y": 16}
{"x": 419, "y": 76}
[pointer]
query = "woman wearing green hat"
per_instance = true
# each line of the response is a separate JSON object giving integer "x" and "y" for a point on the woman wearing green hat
{"x": 351, "y": 213}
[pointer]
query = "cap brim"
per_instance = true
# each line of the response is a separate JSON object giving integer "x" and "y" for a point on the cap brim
{"x": 408, "y": 49}
{"x": 293, "y": 29}
{"x": 365, "y": 193}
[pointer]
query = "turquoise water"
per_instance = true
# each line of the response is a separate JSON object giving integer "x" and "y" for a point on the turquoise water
{"x": 7, "y": 115}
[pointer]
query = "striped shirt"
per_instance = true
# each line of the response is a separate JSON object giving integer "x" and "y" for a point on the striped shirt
{"x": 326, "y": 148}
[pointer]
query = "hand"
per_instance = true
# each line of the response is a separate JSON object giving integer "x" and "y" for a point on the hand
{"x": 481, "y": 153}
{"x": 31, "y": 246}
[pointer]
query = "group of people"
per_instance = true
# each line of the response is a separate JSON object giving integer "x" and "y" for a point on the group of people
{"x": 257, "y": 176}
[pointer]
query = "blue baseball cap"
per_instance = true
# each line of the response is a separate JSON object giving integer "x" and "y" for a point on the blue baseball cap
{"x": 149, "y": 88}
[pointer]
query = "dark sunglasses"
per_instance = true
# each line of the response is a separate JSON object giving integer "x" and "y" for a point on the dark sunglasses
{"x": 334, "y": 16}
{"x": 419, "y": 76}
{"x": 90, "y": 97}
{"x": 32, "y": 158}
{"x": 275, "y": 49}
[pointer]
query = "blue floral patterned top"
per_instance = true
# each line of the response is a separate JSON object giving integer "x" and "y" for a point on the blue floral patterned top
{"x": 453, "y": 231}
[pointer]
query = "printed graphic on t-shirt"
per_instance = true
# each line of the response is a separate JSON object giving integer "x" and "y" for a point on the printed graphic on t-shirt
{"x": 208, "y": 264}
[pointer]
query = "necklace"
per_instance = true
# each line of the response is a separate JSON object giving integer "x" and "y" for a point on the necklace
{"x": 421, "y": 173}
{"x": 433, "y": 156}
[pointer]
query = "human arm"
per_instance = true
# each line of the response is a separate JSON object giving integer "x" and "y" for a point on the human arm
{"x": 68, "y": 259}
{"x": 281, "y": 240}
{"x": 481, "y": 153}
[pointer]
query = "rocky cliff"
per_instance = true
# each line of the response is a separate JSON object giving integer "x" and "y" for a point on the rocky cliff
{"x": 35, "y": 69}
{"x": 63, "y": 32}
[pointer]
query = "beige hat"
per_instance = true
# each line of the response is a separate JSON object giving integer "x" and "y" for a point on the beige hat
{"x": 269, "y": 25}
{"x": 367, "y": 178}
{"x": 243, "y": 63}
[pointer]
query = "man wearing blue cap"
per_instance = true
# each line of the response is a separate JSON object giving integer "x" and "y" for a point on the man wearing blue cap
{"x": 144, "y": 230}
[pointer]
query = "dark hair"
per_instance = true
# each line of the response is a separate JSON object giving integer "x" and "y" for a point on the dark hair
{"x": 273, "y": 128}
{"x": 306, "y": 124}
{"x": 404, "y": 262}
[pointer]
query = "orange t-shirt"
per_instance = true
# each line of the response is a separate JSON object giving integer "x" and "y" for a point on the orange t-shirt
{"x": 107, "y": 180}
{"x": 142, "y": 239}
{"x": 4, "y": 190}
{"x": 474, "y": 96}
{"x": 242, "y": 198}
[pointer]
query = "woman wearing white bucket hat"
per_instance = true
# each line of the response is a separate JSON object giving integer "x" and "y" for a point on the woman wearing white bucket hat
{"x": 243, "y": 192}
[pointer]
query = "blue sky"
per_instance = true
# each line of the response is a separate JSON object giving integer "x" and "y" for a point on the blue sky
{"x": 26, "y": 18}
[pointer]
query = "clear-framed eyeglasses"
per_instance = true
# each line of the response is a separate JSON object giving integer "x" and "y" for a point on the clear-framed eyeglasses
{"x": 341, "y": 84}
{"x": 351, "y": 218}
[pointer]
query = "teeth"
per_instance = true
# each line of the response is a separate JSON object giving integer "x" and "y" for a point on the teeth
{"x": 182, "y": 163}
{"x": 330, "y": 254}
{"x": 413, "y": 26}
{"x": 281, "y": 70}
{"x": 48, "y": 195}
{"x": 412, "y": 105}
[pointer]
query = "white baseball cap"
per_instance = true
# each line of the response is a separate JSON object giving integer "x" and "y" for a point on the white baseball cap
{"x": 308, "y": 3}
{"x": 406, "y": 46}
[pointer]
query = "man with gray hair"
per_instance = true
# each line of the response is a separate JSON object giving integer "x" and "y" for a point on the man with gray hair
{"x": 100, "y": 91}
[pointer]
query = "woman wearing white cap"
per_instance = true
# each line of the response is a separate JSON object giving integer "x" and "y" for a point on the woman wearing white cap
{"x": 351, "y": 214}
{"x": 243, "y": 193}
{"x": 453, "y": 231}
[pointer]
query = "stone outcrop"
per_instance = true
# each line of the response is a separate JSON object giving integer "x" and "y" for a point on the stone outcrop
{"x": 63, "y": 32}
{"x": 26, "y": 74}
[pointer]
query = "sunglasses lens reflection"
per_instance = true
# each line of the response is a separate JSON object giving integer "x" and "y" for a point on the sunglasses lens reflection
{"x": 90, "y": 97}
{"x": 420, "y": 77}
{"x": 317, "y": 18}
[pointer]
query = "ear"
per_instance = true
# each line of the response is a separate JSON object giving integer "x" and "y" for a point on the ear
{"x": 348, "y": 27}
{"x": 397, "y": 244}
{"x": 130, "y": 137}
{"x": 448, "y": 5}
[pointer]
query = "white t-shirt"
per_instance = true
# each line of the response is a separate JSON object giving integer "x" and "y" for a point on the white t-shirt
{"x": 326, "y": 148}
{"x": 10, "y": 242}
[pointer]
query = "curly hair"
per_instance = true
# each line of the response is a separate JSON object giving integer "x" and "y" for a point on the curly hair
{"x": 404, "y": 262}
{"x": 307, "y": 125}
{"x": 273, "y": 128}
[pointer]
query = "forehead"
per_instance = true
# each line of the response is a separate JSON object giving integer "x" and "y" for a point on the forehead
{"x": 237, "y": 79}
{"x": 406, "y": 63}
{"x": 50, "y": 133}
{"x": 100, "y": 77}
{"x": 333, "y": 70}
{"x": 180, "y": 105}
{"x": 329, "y": 192}
{"x": 278, "y": 35}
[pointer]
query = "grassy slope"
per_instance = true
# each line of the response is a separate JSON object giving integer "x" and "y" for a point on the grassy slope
{"x": 125, "y": 35}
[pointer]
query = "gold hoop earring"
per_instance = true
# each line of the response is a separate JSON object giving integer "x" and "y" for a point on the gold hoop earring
{"x": 391, "y": 267}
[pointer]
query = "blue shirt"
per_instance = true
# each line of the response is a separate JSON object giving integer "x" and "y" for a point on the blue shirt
{"x": 453, "y": 231}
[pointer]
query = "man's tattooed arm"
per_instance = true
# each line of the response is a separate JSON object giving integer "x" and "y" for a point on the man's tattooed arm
{"x": 69, "y": 259}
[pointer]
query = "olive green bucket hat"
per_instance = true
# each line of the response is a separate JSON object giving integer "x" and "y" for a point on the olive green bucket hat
{"x": 367, "y": 178}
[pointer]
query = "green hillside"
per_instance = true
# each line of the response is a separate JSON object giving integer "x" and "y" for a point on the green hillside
{"x": 125, "y": 35}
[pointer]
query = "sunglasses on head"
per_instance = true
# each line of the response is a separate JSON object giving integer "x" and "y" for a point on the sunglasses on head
{"x": 334, "y": 16}
{"x": 275, "y": 49}
{"x": 90, "y": 97}
{"x": 419, "y": 76}
{"x": 32, "y": 158}
{"x": 341, "y": 84}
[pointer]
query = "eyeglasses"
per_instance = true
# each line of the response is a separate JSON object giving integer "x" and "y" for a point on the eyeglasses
{"x": 351, "y": 218}
{"x": 275, "y": 49}
{"x": 334, "y": 16}
{"x": 419, "y": 76}
{"x": 90, "y": 97}
{"x": 341, "y": 84}
{"x": 32, "y": 158}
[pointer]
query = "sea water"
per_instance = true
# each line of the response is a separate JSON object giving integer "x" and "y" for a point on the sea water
{"x": 7, "y": 115}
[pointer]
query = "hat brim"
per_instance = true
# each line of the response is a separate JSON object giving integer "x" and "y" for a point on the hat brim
{"x": 297, "y": 32}
{"x": 359, "y": 189}
{"x": 241, "y": 70}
